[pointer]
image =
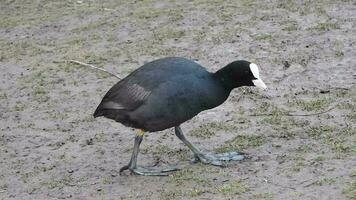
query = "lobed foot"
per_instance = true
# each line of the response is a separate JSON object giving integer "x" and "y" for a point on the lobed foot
{"x": 149, "y": 171}
{"x": 218, "y": 159}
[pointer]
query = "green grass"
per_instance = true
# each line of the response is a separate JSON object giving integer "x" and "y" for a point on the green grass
{"x": 181, "y": 194}
{"x": 311, "y": 105}
{"x": 40, "y": 94}
{"x": 107, "y": 180}
{"x": 283, "y": 126}
{"x": 17, "y": 50}
{"x": 230, "y": 189}
{"x": 164, "y": 150}
{"x": 316, "y": 132}
{"x": 291, "y": 28}
{"x": 324, "y": 27}
{"x": 26, "y": 125}
{"x": 339, "y": 54}
{"x": 263, "y": 37}
{"x": 353, "y": 174}
{"x": 189, "y": 174}
{"x": 58, "y": 182}
{"x": 208, "y": 130}
{"x": 162, "y": 35}
{"x": 337, "y": 139}
{"x": 21, "y": 13}
{"x": 264, "y": 196}
{"x": 319, "y": 159}
{"x": 298, "y": 165}
{"x": 304, "y": 148}
{"x": 241, "y": 143}
{"x": 233, "y": 188}
{"x": 95, "y": 25}
{"x": 148, "y": 14}
{"x": 20, "y": 106}
{"x": 350, "y": 190}
{"x": 324, "y": 181}
{"x": 171, "y": 195}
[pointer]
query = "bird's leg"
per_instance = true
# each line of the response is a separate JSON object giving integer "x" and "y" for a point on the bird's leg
{"x": 208, "y": 158}
{"x": 132, "y": 166}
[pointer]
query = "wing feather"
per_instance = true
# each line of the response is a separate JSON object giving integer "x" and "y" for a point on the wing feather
{"x": 126, "y": 97}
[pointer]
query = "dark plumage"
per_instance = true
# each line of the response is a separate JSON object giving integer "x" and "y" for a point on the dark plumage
{"x": 167, "y": 92}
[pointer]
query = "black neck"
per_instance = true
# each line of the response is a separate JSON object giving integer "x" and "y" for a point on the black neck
{"x": 225, "y": 77}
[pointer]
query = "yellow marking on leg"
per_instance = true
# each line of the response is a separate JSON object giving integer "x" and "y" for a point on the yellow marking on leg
{"x": 140, "y": 132}
{"x": 190, "y": 146}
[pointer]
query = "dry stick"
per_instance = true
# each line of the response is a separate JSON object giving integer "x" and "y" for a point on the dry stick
{"x": 302, "y": 115}
{"x": 92, "y": 66}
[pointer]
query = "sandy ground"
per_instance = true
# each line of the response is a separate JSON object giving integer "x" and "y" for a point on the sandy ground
{"x": 52, "y": 148}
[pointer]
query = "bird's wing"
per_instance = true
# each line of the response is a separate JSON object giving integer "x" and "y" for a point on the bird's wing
{"x": 125, "y": 96}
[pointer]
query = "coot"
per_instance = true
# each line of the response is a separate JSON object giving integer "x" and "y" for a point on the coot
{"x": 167, "y": 92}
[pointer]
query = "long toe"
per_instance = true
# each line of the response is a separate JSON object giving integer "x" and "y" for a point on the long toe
{"x": 152, "y": 172}
{"x": 219, "y": 159}
{"x": 126, "y": 167}
{"x": 230, "y": 156}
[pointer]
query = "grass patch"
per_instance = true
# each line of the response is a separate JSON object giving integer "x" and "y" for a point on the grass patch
{"x": 185, "y": 175}
{"x": 316, "y": 132}
{"x": 281, "y": 124}
{"x": 208, "y": 130}
{"x": 170, "y": 195}
{"x": 275, "y": 116}
{"x": 56, "y": 182}
{"x": 228, "y": 35}
{"x": 148, "y": 14}
{"x": 264, "y": 196}
{"x": 324, "y": 27}
{"x": 180, "y": 194}
{"x": 311, "y": 105}
{"x": 96, "y": 25}
{"x": 339, "y": 54}
{"x": 350, "y": 190}
{"x": 353, "y": 174}
{"x": 338, "y": 145}
{"x": 291, "y": 28}
{"x": 19, "y": 106}
{"x": 166, "y": 34}
{"x": 324, "y": 181}
{"x": 181, "y": 154}
{"x": 40, "y": 94}
{"x": 298, "y": 166}
{"x": 319, "y": 159}
{"x": 107, "y": 180}
{"x": 263, "y": 37}
{"x": 337, "y": 139}
{"x": 242, "y": 142}
{"x": 304, "y": 149}
{"x": 19, "y": 49}
{"x": 3, "y": 95}
{"x": 233, "y": 188}
{"x": 26, "y": 126}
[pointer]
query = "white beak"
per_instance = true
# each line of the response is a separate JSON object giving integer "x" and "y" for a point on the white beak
{"x": 260, "y": 84}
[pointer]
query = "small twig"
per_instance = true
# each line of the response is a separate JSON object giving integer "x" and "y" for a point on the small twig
{"x": 92, "y": 66}
{"x": 300, "y": 115}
